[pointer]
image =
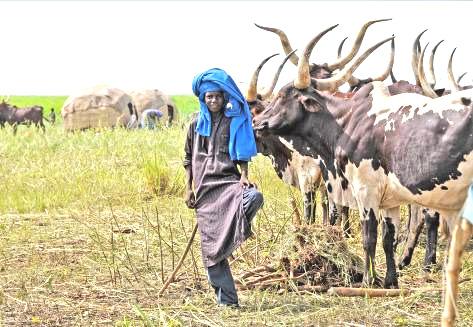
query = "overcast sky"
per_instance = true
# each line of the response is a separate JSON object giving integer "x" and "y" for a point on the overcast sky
{"x": 60, "y": 47}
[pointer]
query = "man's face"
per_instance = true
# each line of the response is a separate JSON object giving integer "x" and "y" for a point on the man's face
{"x": 214, "y": 101}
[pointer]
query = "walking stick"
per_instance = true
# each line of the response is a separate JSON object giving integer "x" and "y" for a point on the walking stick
{"x": 179, "y": 264}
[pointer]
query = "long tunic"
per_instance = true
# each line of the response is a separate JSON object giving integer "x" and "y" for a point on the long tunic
{"x": 219, "y": 197}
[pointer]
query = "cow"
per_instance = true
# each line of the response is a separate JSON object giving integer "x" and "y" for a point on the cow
{"x": 320, "y": 71}
{"x": 385, "y": 150}
{"x": 17, "y": 116}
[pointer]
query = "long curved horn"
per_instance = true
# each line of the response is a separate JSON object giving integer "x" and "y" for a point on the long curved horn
{"x": 333, "y": 83}
{"x": 393, "y": 79}
{"x": 269, "y": 92}
{"x": 341, "y": 62}
{"x": 353, "y": 81}
{"x": 340, "y": 47}
{"x": 450, "y": 72}
{"x": 252, "y": 92}
{"x": 426, "y": 88}
{"x": 284, "y": 41}
{"x": 431, "y": 65}
{"x": 460, "y": 77}
{"x": 303, "y": 76}
{"x": 415, "y": 56}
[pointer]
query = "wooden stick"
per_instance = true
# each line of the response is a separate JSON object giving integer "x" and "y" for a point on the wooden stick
{"x": 179, "y": 264}
{"x": 263, "y": 278}
{"x": 271, "y": 282}
{"x": 257, "y": 270}
{"x": 460, "y": 237}
{"x": 366, "y": 292}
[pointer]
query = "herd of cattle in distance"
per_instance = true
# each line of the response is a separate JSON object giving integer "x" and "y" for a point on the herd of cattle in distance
{"x": 374, "y": 148}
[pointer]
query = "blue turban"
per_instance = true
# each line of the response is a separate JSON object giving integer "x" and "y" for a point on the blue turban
{"x": 242, "y": 145}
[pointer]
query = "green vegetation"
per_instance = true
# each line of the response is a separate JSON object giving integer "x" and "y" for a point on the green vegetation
{"x": 186, "y": 104}
{"x": 92, "y": 222}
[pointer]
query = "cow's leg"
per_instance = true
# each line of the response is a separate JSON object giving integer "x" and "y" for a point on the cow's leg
{"x": 334, "y": 213}
{"x": 325, "y": 203}
{"x": 460, "y": 236}
{"x": 370, "y": 234}
{"x": 42, "y": 126}
{"x": 390, "y": 226}
{"x": 432, "y": 224}
{"x": 345, "y": 211}
{"x": 309, "y": 207}
{"x": 415, "y": 226}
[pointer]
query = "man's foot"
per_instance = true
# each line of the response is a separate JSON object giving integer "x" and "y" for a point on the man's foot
{"x": 229, "y": 305}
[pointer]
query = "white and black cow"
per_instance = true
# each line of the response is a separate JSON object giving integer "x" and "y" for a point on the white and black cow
{"x": 300, "y": 171}
{"x": 386, "y": 151}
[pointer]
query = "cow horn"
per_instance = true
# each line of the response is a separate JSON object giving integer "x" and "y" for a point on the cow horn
{"x": 353, "y": 81}
{"x": 303, "y": 75}
{"x": 431, "y": 65}
{"x": 251, "y": 94}
{"x": 460, "y": 77}
{"x": 269, "y": 92}
{"x": 340, "y": 47}
{"x": 415, "y": 56}
{"x": 450, "y": 72}
{"x": 332, "y": 83}
{"x": 426, "y": 88}
{"x": 341, "y": 62}
{"x": 284, "y": 41}
{"x": 393, "y": 78}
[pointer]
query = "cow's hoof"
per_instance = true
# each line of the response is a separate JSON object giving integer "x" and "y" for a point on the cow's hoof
{"x": 370, "y": 282}
{"x": 404, "y": 262}
{"x": 391, "y": 282}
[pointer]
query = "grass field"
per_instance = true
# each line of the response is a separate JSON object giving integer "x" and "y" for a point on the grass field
{"x": 91, "y": 223}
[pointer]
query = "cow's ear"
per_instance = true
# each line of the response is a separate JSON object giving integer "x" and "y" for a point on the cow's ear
{"x": 310, "y": 104}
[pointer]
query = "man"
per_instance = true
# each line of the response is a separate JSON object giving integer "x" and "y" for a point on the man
{"x": 52, "y": 116}
{"x": 150, "y": 118}
{"x": 218, "y": 140}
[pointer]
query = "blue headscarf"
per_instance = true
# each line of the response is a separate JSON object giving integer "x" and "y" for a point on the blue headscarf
{"x": 242, "y": 145}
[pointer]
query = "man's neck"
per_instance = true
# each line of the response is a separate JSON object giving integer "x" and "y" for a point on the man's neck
{"x": 215, "y": 115}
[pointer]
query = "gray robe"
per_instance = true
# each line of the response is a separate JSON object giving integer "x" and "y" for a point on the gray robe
{"x": 219, "y": 197}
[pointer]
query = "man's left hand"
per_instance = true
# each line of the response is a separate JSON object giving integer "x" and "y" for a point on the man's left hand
{"x": 244, "y": 182}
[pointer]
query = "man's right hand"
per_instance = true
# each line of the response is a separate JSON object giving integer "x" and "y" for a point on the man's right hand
{"x": 190, "y": 199}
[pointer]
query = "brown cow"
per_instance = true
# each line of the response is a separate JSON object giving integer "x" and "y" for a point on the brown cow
{"x": 18, "y": 116}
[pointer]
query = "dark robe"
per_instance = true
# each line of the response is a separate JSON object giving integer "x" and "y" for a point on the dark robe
{"x": 219, "y": 196}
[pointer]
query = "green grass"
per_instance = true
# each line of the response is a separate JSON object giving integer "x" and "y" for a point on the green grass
{"x": 92, "y": 222}
{"x": 186, "y": 104}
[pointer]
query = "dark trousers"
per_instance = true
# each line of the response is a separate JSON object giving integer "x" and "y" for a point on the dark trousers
{"x": 220, "y": 275}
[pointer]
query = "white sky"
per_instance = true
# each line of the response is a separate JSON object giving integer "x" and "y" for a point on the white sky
{"x": 60, "y": 47}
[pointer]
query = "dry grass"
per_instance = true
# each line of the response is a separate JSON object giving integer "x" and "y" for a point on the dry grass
{"x": 97, "y": 253}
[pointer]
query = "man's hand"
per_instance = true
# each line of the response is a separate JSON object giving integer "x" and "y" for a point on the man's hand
{"x": 190, "y": 199}
{"x": 244, "y": 182}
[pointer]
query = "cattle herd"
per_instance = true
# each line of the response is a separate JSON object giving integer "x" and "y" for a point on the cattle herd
{"x": 373, "y": 149}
